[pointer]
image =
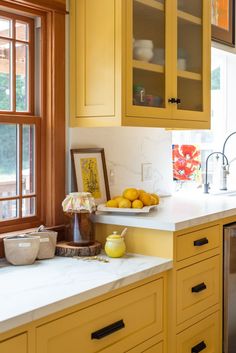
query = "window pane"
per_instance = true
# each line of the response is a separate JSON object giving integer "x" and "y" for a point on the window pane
{"x": 22, "y": 31}
{"x": 21, "y": 77}
{"x": 28, "y": 207}
{"x": 5, "y": 75}
{"x": 8, "y": 209}
{"x": 28, "y": 174}
{"x": 8, "y": 160}
{"x": 5, "y": 27}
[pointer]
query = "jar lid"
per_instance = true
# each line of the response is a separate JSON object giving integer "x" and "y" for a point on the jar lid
{"x": 114, "y": 237}
{"x": 79, "y": 202}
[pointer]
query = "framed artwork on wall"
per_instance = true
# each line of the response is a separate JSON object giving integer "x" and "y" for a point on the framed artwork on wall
{"x": 90, "y": 173}
{"x": 223, "y": 21}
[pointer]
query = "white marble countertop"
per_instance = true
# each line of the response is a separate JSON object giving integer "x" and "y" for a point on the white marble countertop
{"x": 31, "y": 292}
{"x": 176, "y": 212}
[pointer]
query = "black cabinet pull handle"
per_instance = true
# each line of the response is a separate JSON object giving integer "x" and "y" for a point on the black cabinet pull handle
{"x": 199, "y": 288}
{"x": 200, "y": 242}
{"x": 174, "y": 100}
{"x": 108, "y": 330}
{"x": 199, "y": 347}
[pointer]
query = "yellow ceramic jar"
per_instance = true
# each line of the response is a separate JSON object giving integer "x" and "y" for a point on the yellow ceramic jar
{"x": 115, "y": 245}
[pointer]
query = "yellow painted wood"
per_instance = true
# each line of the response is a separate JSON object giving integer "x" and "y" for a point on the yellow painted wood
{"x": 152, "y": 3}
{"x": 16, "y": 344}
{"x": 185, "y": 243}
{"x": 142, "y": 312}
{"x": 150, "y": 346}
{"x": 207, "y": 330}
{"x": 189, "y": 75}
{"x": 101, "y": 62}
{"x": 190, "y": 304}
{"x": 137, "y": 64}
{"x": 190, "y": 18}
{"x": 139, "y": 240}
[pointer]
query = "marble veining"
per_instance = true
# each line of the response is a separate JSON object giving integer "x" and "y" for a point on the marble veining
{"x": 30, "y": 292}
{"x": 177, "y": 212}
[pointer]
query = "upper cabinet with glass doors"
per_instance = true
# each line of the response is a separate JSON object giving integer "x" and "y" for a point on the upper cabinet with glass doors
{"x": 140, "y": 63}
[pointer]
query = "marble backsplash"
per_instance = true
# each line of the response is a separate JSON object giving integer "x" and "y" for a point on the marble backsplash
{"x": 126, "y": 149}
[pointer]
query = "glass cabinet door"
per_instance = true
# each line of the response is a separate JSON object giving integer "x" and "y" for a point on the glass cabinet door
{"x": 190, "y": 41}
{"x": 146, "y": 81}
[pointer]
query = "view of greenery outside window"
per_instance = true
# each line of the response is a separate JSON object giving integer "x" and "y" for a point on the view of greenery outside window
{"x": 223, "y": 123}
{"x": 17, "y": 133}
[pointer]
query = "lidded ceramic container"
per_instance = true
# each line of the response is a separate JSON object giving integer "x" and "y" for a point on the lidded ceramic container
{"x": 80, "y": 206}
{"x": 115, "y": 245}
{"x": 143, "y": 50}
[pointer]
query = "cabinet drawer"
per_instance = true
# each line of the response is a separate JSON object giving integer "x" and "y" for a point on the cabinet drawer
{"x": 195, "y": 243}
{"x": 138, "y": 310}
{"x": 147, "y": 347}
{"x": 16, "y": 344}
{"x": 202, "y": 337}
{"x": 198, "y": 287}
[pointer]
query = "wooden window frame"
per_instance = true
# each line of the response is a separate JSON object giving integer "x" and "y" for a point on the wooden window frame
{"x": 50, "y": 134}
{"x": 30, "y": 43}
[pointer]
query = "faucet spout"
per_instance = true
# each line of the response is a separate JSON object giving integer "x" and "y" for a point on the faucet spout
{"x": 206, "y": 185}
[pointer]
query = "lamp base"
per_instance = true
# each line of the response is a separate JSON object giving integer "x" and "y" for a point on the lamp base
{"x": 67, "y": 250}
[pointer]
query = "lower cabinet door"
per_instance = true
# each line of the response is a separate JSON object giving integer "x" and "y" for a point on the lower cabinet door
{"x": 202, "y": 337}
{"x": 112, "y": 325}
{"x": 149, "y": 346}
{"x": 16, "y": 344}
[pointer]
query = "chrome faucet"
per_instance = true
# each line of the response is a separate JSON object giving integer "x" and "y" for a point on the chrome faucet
{"x": 206, "y": 185}
{"x": 225, "y": 169}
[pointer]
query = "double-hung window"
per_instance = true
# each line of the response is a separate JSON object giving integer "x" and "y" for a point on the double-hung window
{"x": 20, "y": 121}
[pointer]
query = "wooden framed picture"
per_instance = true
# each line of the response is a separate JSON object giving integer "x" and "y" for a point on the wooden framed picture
{"x": 90, "y": 173}
{"x": 223, "y": 21}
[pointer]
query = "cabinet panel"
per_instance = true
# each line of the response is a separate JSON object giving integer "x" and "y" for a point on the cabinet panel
{"x": 137, "y": 312}
{"x": 204, "y": 336}
{"x": 198, "y": 288}
{"x": 147, "y": 347}
{"x": 16, "y": 344}
{"x": 194, "y": 243}
{"x": 93, "y": 72}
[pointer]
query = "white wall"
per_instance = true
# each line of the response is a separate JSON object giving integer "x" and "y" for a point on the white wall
{"x": 126, "y": 148}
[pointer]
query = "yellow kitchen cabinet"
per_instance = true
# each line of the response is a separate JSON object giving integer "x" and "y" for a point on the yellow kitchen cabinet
{"x": 194, "y": 301}
{"x": 16, "y": 344}
{"x": 140, "y": 63}
{"x": 150, "y": 346}
{"x": 111, "y": 326}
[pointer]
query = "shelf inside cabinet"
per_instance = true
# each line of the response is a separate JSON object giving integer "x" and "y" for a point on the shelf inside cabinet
{"x": 143, "y": 65}
{"x": 152, "y": 3}
{"x": 189, "y": 75}
{"x": 190, "y": 18}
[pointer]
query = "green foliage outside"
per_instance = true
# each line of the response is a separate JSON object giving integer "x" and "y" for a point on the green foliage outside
{"x": 8, "y": 132}
{"x": 215, "y": 79}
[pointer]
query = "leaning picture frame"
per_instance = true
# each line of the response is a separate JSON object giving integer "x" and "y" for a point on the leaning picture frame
{"x": 223, "y": 21}
{"x": 90, "y": 172}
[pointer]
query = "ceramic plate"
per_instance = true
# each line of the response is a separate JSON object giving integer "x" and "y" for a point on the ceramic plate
{"x": 146, "y": 209}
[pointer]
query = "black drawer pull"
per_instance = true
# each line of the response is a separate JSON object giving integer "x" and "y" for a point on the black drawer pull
{"x": 200, "y": 242}
{"x": 108, "y": 330}
{"x": 199, "y": 347}
{"x": 199, "y": 288}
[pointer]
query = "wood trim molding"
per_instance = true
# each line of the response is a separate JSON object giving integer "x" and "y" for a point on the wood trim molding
{"x": 53, "y": 152}
{"x": 55, "y": 5}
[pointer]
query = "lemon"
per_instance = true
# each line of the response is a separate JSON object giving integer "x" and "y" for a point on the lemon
{"x": 112, "y": 203}
{"x": 118, "y": 199}
{"x": 146, "y": 199}
{"x": 131, "y": 194}
{"x": 137, "y": 204}
{"x": 124, "y": 203}
{"x": 157, "y": 199}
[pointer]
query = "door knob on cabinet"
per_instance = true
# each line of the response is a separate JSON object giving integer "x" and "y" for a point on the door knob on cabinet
{"x": 174, "y": 100}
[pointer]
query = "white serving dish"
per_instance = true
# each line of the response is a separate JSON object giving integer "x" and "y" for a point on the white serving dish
{"x": 21, "y": 249}
{"x": 146, "y": 209}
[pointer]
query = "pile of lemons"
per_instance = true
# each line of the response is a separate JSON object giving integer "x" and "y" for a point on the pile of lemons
{"x": 133, "y": 198}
